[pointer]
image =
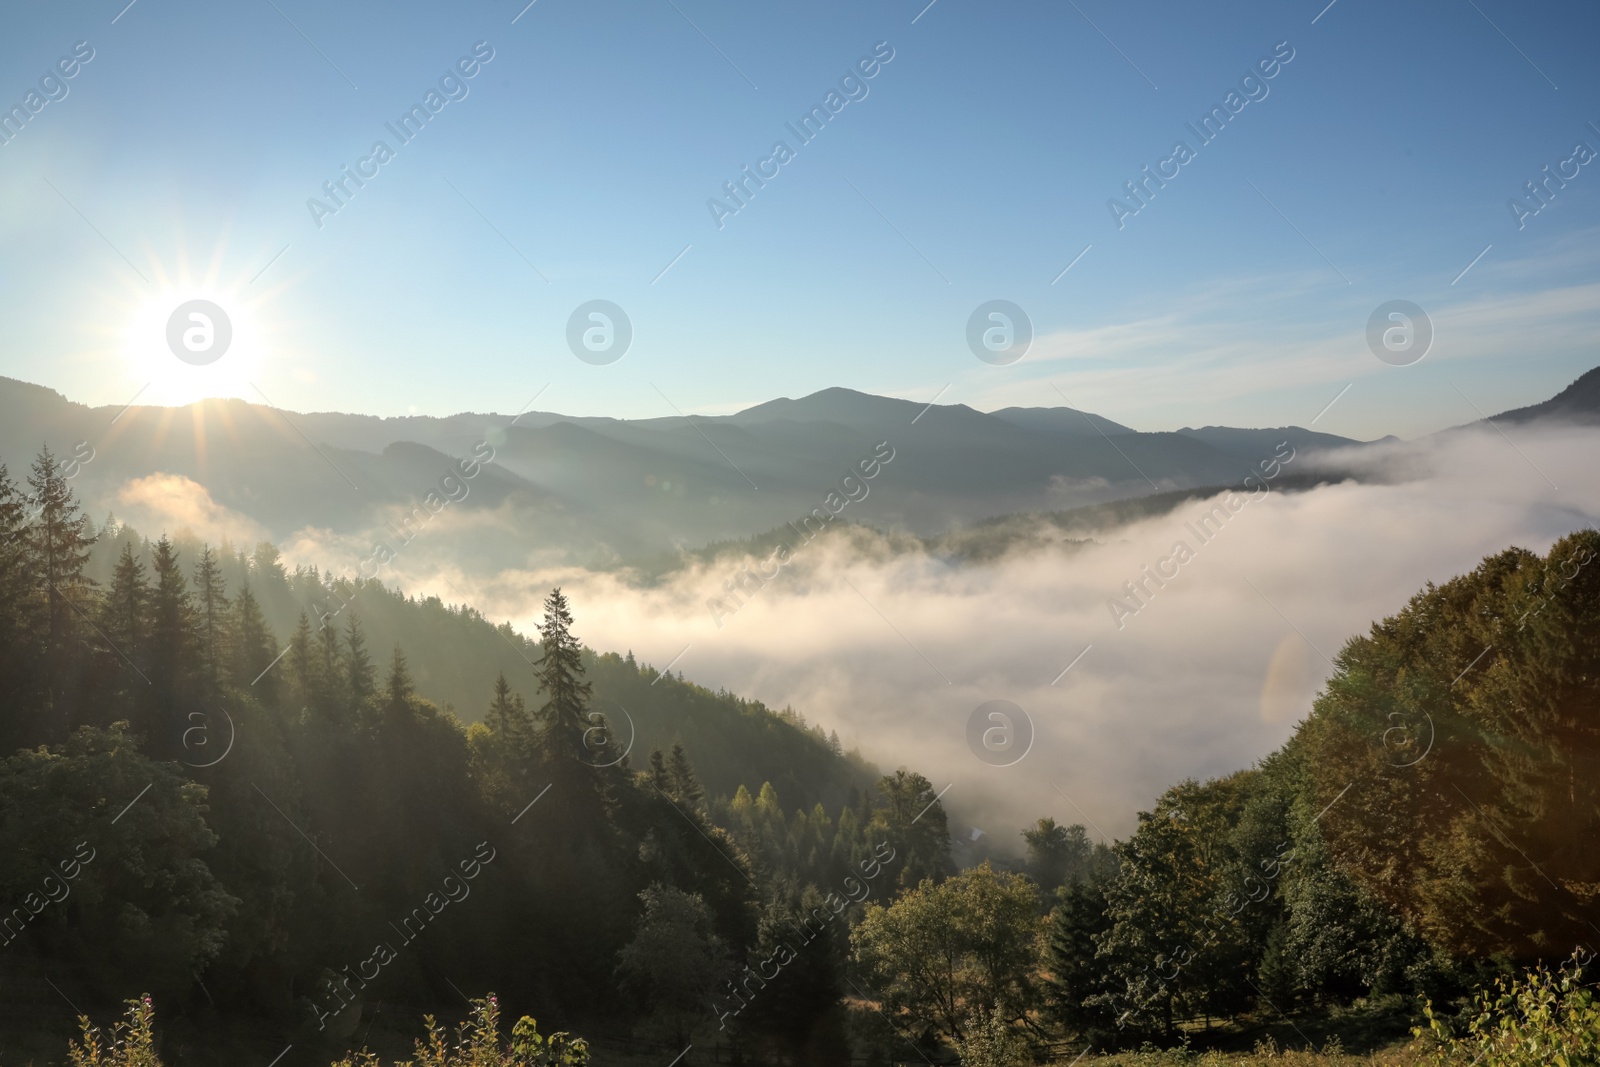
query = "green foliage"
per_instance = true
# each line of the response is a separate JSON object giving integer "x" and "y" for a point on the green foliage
{"x": 561, "y": 678}
{"x": 1472, "y": 720}
{"x": 685, "y": 786}
{"x": 912, "y": 820}
{"x": 239, "y": 828}
{"x": 1057, "y": 853}
{"x": 1176, "y": 947}
{"x": 1272, "y": 887}
{"x": 994, "y": 1042}
{"x": 1078, "y": 981}
{"x": 674, "y": 959}
{"x": 948, "y": 955}
{"x": 1541, "y": 1019}
{"x": 124, "y": 839}
{"x": 59, "y": 540}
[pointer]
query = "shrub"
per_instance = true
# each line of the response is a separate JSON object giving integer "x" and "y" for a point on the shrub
{"x": 477, "y": 1044}
{"x": 132, "y": 1042}
{"x": 1539, "y": 1020}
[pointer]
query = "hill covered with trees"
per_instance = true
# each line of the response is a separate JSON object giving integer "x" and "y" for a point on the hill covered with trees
{"x": 268, "y": 830}
{"x": 279, "y": 832}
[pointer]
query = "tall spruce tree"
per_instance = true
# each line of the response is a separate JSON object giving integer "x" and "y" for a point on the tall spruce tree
{"x": 685, "y": 786}
{"x": 361, "y": 680}
{"x": 660, "y": 779}
{"x": 560, "y": 671}
{"x": 59, "y": 543}
{"x": 172, "y": 625}
{"x": 329, "y": 698}
{"x": 302, "y": 663}
{"x": 254, "y": 650}
{"x": 1077, "y": 978}
{"x": 125, "y": 609}
{"x": 211, "y": 624}
{"x": 399, "y": 687}
{"x": 19, "y": 607}
{"x": 508, "y": 716}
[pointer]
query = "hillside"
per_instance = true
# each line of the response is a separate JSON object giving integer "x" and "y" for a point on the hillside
{"x": 455, "y": 654}
{"x": 1578, "y": 402}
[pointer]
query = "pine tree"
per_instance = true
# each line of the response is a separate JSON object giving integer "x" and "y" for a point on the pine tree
{"x": 254, "y": 649}
{"x": 362, "y": 676}
{"x": 560, "y": 672}
{"x": 685, "y": 786}
{"x": 126, "y": 608}
{"x": 399, "y": 686}
{"x": 172, "y": 625}
{"x": 1076, "y": 976}
{"x": 660, "y": 779}
{"x": 19, "y": 606}
{"x": 13, "y": 538}
{"x": 302, "y": 663}
{"x": 211, "y": 593}
{"x": 330, "y": 699}
{"x": 59, "y": 543}
{"x": 507, "y": 716}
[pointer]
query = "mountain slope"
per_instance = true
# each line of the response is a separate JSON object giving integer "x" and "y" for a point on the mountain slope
{"x": 454, "y": 655}
{"x": 1578, "y": 402}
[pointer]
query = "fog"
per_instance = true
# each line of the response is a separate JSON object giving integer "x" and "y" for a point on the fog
{"x": 895, "y": 650}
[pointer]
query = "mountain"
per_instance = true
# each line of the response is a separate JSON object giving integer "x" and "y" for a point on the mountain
{"x": 1250, "y": 445}
{"x": 1578, "y": 402}
{"x": 1064, "y": 422}
{"x": 602, "y": 491}
{"x": 455, "y": 653}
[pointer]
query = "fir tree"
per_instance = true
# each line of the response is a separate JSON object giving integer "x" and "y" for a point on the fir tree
{"x": 361, "y": 675}
{"x": 560, "y": 671}
{"x": 660, "y": 779}
{"x": 399, "y": 686}
{"x": 1076, "y": 924}
{"x": 330, "y": 700}
{"x": 302, "y": 662}
{"x": 59, "y": 543}
{"x": 172, "y": 624}
{"x": 19, "y": 604}
{"x": 685, "y": 786}
{"x": 211, "y": 593}
{"x": 126, "y": 607}
{"x": 506, "y": 710}
{"x": 254, "y": 649}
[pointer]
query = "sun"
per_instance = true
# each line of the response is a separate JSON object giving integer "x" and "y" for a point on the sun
{"x": 193, "y": 342}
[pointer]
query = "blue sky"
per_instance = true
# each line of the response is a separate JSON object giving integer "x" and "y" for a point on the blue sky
{"x": 978, "y": 166}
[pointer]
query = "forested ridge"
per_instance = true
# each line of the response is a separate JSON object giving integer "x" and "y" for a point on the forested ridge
{"x": 267, "y": 830}
{"x": 250, "y": 818}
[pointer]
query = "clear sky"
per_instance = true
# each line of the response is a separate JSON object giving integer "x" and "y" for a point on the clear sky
{"x": 976, "y": 166}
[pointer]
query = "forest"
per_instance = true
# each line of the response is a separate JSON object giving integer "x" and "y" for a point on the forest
{"x": 228, "y": 820}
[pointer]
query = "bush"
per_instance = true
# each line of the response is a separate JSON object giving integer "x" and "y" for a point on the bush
{"x": 1538, "y": 1020}
{"x": 477, "y": 1044}
{"x": 994, "y": 1042}
{"x": 132, "y": 1042}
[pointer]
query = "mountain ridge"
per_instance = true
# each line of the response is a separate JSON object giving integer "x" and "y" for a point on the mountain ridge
{"x": 599, "y": 491}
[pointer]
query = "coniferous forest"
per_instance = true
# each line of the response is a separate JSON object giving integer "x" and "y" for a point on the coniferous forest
{"x": 228, "y": 820}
